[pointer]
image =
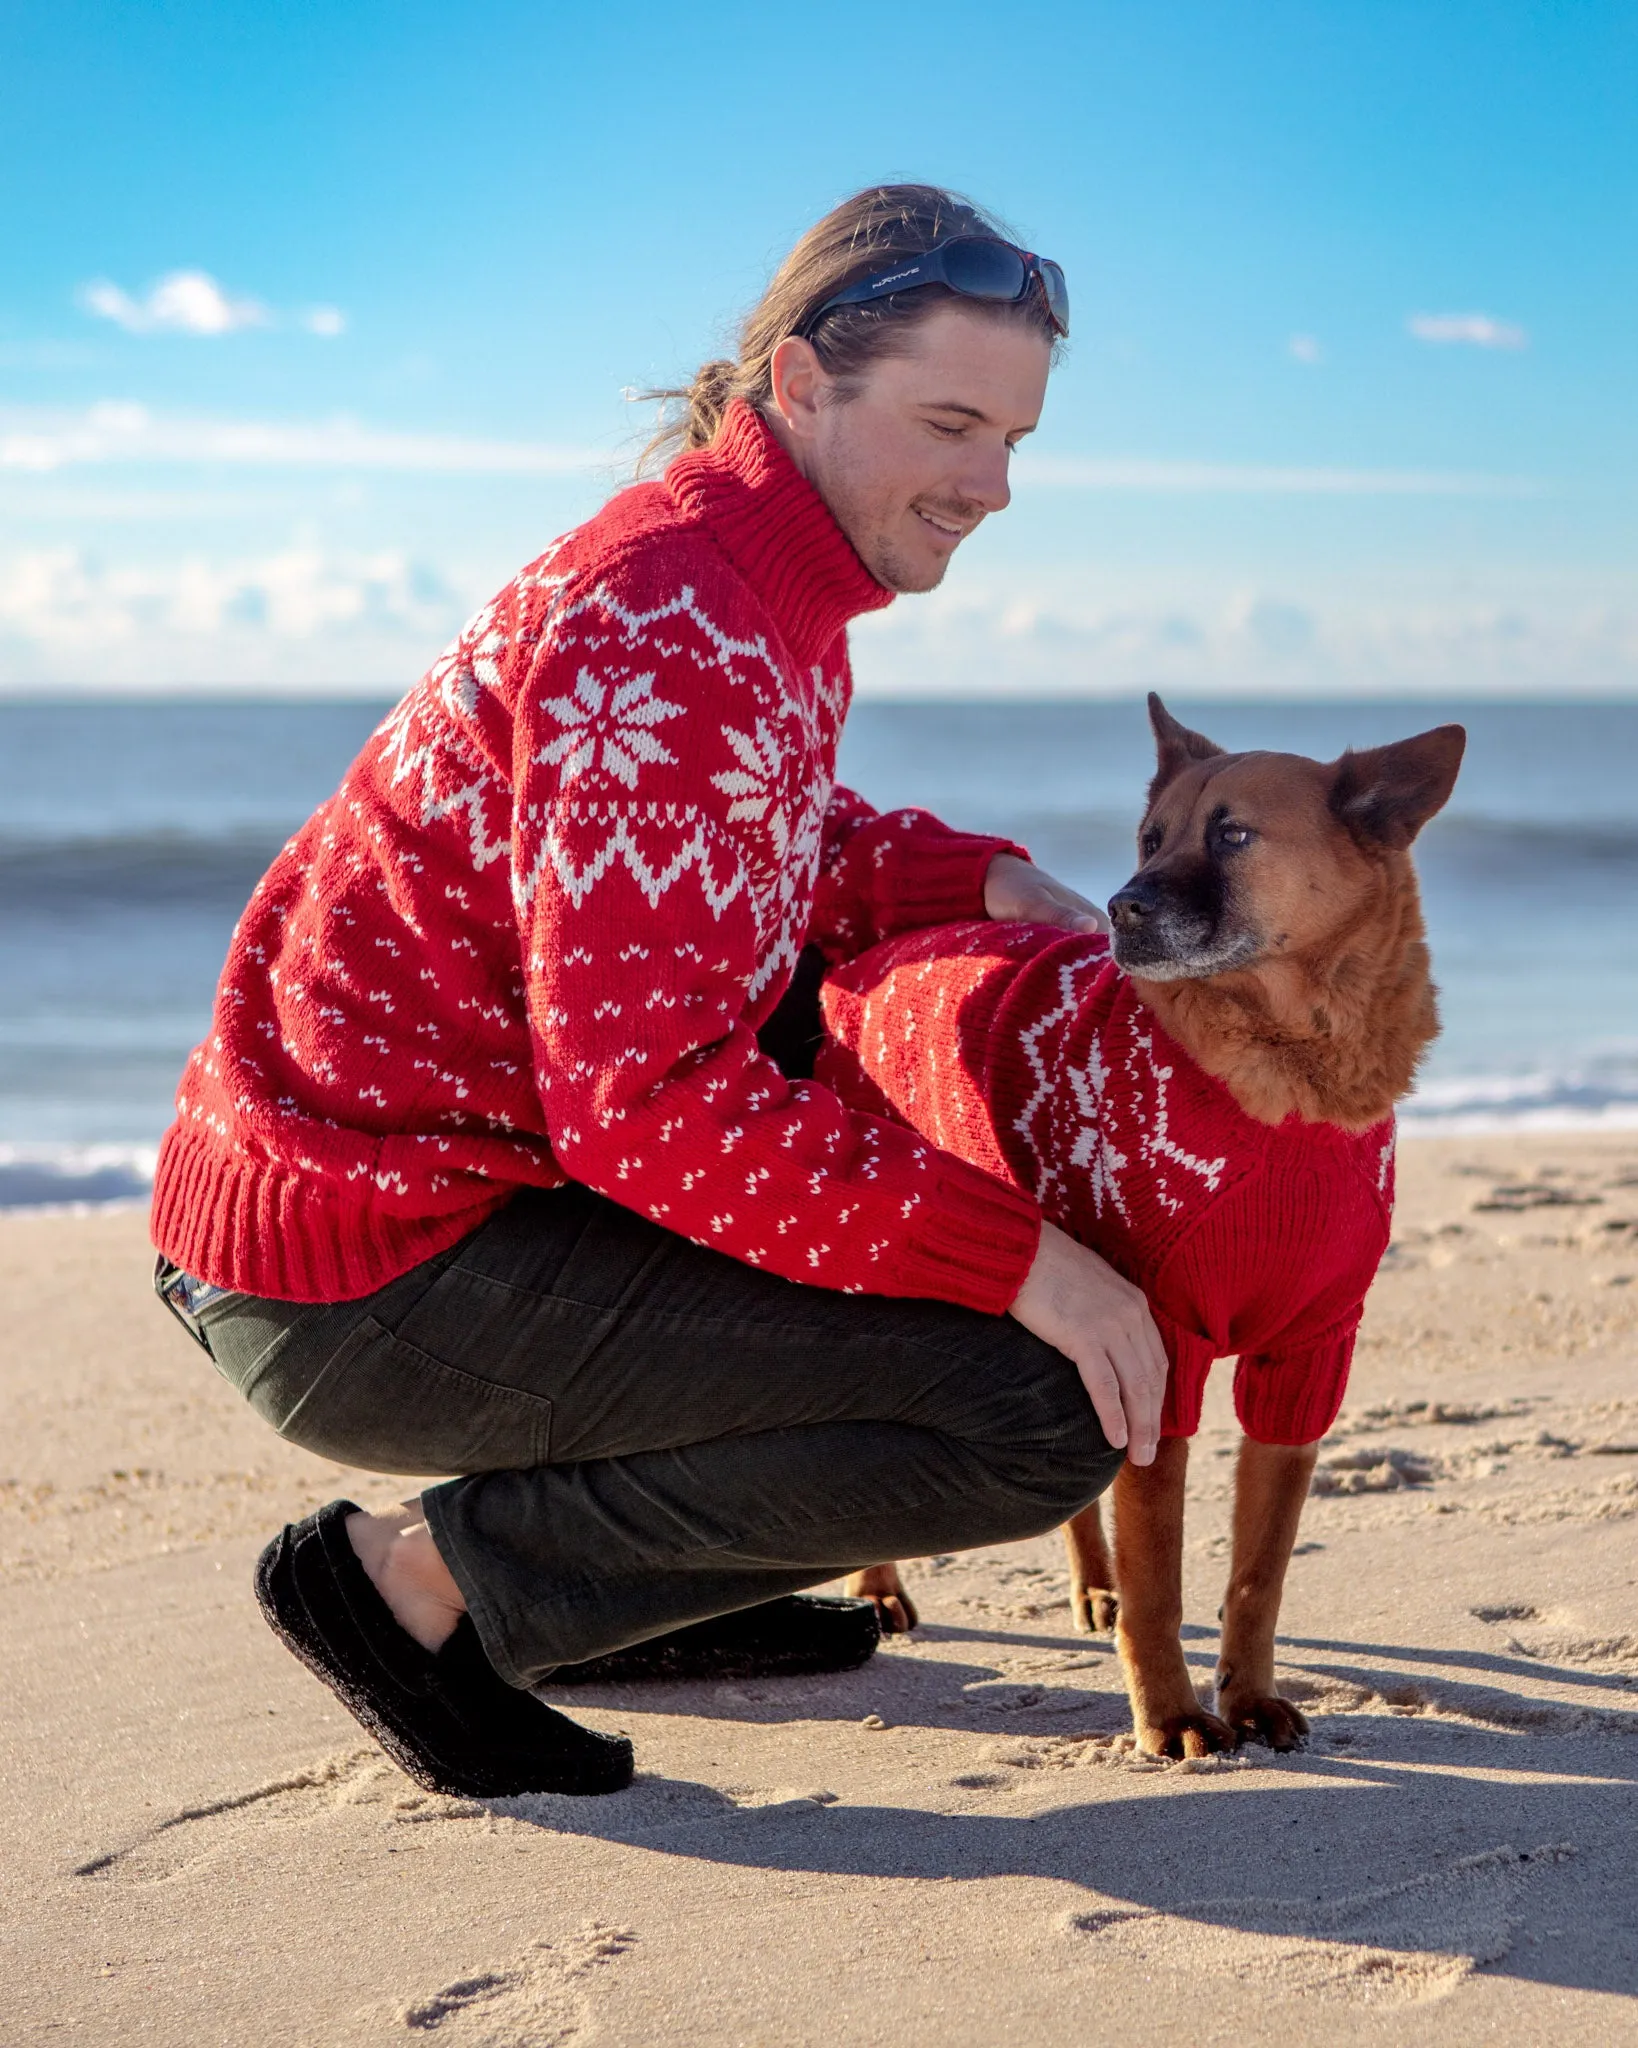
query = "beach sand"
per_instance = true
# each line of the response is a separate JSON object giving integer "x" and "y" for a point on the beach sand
{"x": 954, "y": 1845}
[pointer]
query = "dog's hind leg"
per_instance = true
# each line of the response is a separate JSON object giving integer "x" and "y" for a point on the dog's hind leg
{"x": 895, "y": 1610}
{"x": 1271, "y": 1485}
{"x": 1167, "y": 1716}
{"x": 1092, "y": 1603}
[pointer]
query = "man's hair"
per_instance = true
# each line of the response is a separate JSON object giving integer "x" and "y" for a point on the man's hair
{"x": 866, "y": 233}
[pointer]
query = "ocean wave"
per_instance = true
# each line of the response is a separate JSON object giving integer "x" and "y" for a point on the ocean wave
{"x": 1598, "y": 1092}
{"x": 42, "y": 877}
{"x": 1458, "y": 839}
{"x": 75, "y": 1176}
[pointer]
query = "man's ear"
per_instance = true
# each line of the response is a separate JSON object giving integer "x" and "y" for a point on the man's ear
{"x": 1175, "y": 746}
{"x": 1387, "y": 794}
{"x": 797, "y": 381}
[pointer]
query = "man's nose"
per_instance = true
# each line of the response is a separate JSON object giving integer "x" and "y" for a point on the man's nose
{"x": 985, "y": 481}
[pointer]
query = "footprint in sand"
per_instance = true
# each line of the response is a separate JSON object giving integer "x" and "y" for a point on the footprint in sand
{"x": 538, "y": 2001}
{"x": 1399, "y": 1944}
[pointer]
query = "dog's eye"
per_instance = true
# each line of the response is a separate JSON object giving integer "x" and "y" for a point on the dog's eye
{"x": 1236, "y": 835}
{"x": 1149, "y": 844}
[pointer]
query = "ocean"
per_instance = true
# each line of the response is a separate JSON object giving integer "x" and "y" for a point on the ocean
{"x": 131, "y": 834}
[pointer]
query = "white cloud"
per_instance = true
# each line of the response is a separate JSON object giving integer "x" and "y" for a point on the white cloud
{"x": 118, "y": 432}
{"x": 1196, "y": 479}
{"x": 1476, "y": 330}
{"x": 298, "y": 615}
{"x": 114, "y": 432}
{"x": 192, "y": 302}
{"x": 305, "y": 616}
{"x": 1250, "y": 642}
{"x": 185, "y": 302}
{"x": 1305, "y": 348}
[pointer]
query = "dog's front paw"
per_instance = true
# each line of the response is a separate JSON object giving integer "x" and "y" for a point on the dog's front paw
{"x": 896, "y": 1613}
{"x": 1265, "y": 1717}
{"x": 882, "y": 1586}
{"x": 1093, "y": 1609}
{"x": 1192, "y": 1734}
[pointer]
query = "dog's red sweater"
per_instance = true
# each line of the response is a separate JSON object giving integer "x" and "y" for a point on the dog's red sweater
{"x": 534, "y": 933}
{"x": 1030, "y": 1055}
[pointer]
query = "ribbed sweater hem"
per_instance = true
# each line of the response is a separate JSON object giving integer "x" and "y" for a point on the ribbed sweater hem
{"x": 261, "y": 1228}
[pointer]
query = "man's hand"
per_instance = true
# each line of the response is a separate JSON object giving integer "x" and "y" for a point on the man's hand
{"x": 1016, "y": 891}
{"x": 1081, "y": 1306}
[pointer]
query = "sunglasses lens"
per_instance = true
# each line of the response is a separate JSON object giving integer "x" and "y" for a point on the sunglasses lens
{"x": 1057, "y": 294}
{"x": 984, "y": 269}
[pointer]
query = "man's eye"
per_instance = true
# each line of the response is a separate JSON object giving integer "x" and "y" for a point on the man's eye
{"x": 949, "y": 433}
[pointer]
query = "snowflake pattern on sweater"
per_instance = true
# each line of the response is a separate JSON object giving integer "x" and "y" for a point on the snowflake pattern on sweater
{"x": 534, "y": 933}
{"x": 1031, "y": 1055}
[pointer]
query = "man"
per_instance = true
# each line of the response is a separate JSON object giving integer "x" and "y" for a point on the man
{"x": 483, "y": 1170}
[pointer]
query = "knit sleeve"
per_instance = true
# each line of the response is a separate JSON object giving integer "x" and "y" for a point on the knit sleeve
{"x": 663, "y": 807}
{"x": 882, "y": 873}
{"x": 1292, "y": 1395}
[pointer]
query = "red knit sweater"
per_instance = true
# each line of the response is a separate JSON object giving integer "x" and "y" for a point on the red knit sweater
{"x": 533, "y": 934}
{"x": 1029, "y": 1054}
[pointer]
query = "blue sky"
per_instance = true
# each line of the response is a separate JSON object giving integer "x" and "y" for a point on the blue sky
{"x": 1349, "y": 405}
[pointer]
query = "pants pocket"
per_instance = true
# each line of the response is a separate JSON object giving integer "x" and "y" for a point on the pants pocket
{"x": 382, "y": 1403}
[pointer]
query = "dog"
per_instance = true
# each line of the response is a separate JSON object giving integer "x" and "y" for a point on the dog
{"x": 1209, "y": 1105}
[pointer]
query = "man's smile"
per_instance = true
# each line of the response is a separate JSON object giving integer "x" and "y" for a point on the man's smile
{"x": 942, "y": 523}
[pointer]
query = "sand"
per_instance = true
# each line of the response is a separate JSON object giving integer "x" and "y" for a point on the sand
{"x": 954, "y": 1845}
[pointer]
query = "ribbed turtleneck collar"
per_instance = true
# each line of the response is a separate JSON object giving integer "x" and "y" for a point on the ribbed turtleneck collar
{"x": 776, "y": 530}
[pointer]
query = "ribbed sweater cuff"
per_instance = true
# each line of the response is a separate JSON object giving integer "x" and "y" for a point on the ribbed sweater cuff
{"x": 1293, "y": 1400}
{"x": 941, "y": 880}
{"x": 973, "y": 1243}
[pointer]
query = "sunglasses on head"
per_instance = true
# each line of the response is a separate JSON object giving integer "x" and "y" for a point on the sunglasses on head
{"x": 972, "y": 266}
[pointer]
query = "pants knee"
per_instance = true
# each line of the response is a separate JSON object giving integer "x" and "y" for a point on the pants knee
{"x": 1081, "y": 1476}
{"x": 1054, "y": 1476}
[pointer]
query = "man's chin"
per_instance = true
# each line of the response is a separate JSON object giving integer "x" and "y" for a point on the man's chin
{"x": 897, "y": 570}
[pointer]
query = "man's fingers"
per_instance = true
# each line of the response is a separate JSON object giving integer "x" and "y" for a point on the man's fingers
{"x": 1142, "y": 1425}
{"x": 1099, "y": 1379}
{"x": 1143, "y": 1391}
{"x": 1071, "y": 913}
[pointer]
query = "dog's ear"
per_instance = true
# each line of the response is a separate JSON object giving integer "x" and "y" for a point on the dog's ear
{"x": 1175, "y": 746}
{"x": 1387, "y": 794}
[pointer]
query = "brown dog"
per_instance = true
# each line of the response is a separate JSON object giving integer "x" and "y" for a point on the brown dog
{"x": 1274, "y": 933}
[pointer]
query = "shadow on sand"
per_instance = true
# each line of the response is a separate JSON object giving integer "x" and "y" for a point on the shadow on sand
{"x": 1468, "y": 1822}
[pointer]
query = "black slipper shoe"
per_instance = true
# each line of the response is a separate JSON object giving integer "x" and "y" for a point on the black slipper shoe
{"x": 447, "y": 1718}
{"x": 801, "y": 1632}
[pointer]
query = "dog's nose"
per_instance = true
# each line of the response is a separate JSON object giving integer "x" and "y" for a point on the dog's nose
{"x": 1128, "y": 907}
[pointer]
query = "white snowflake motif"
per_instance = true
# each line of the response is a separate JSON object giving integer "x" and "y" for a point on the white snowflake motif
{"x": 754, "y": 785}
{"x": 1095, "y": 1150}
{"x": 620, "y": 722}
{"x": 1159, "y": 1145}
